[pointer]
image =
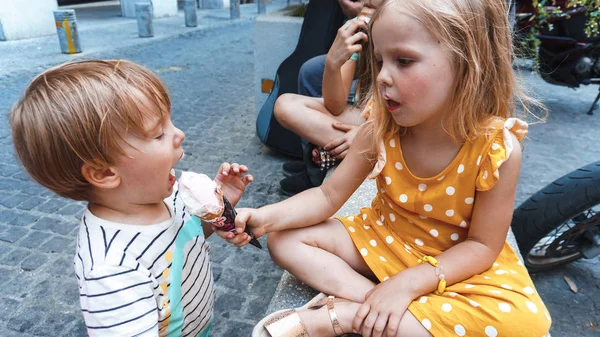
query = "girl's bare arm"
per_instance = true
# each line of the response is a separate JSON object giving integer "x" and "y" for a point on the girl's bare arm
{"x": 318, "y": 204}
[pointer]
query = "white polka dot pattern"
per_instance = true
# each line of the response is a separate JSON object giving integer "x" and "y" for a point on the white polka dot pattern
{"x": 413, "y": 217}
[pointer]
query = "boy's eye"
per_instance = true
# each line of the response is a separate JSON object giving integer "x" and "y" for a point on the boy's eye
{"x": 160, "y": 136}
{"x": 404, "y": 62}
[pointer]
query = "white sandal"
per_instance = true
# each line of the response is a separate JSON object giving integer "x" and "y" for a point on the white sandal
{"x": 287, "y": 323}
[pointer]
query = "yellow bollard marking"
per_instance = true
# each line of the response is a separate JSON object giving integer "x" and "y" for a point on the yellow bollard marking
{"x": 70, "y": 44}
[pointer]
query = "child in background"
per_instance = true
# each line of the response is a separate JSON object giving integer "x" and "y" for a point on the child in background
{"x": 101, "y": 131}
{"x": 429, "y": 257}
{"x": 329, "y": 123}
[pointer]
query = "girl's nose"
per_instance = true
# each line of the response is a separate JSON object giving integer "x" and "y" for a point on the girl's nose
{"x": 384, "y": 78}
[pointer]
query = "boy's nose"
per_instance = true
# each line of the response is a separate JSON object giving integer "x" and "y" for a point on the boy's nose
{"x": 179, "y": 136}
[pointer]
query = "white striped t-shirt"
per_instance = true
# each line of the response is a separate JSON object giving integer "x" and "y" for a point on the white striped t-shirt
{"x": 153, "y": 280}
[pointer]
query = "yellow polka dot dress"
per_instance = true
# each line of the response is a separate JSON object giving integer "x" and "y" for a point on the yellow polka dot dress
{"x": 411, "y": 217}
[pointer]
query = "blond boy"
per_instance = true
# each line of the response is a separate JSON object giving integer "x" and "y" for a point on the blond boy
{"x": 101, "y": 131}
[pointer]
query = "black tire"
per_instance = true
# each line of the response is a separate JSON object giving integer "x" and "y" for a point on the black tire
{"x": 552, "y": 206}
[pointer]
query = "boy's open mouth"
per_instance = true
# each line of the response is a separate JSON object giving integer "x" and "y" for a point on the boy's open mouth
{"x": 172, "y": 177}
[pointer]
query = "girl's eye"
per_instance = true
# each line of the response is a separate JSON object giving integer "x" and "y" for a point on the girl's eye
{"x": 378, "y": 63}
{"x": 160, "y": 136}
{"x": 404, "y": 62}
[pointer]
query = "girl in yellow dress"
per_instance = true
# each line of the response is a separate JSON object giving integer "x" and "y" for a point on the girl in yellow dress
{"x": 429, "y": 256}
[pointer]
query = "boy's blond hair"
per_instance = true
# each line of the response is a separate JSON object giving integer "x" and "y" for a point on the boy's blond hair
{"x": 79, "y": 113}
{"x": 477, "y": 37}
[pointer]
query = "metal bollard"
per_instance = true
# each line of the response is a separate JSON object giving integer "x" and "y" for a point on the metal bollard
{"x": 66, "y": 28}
{"x": 234, "y": 9}
{"x": 191, "y": 16}
{"x": 143, "y": 13}
{"x": 262, "y": 6}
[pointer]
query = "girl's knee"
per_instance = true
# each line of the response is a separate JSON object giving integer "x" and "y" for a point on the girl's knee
{"x": 281, "y": 110}
{"x": 280, "y": 244}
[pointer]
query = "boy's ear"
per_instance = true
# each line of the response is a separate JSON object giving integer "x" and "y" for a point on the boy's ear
{"x": 105, "y": 178}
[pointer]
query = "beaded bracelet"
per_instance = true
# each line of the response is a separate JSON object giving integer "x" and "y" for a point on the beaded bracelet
{"x": 439, "y": 272}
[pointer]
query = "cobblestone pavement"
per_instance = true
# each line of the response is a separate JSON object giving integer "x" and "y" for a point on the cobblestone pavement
{"x": 210, "y": 76}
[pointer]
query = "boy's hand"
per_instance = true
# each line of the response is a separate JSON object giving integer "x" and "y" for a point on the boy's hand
{"x": 232, "y": 181}
{"x": 245, "y": 217}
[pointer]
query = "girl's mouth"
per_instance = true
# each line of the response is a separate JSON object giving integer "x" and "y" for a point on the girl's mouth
{"x": 392, "y": 105}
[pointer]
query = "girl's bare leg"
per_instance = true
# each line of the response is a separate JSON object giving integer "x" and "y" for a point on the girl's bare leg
{"x": 308, "y": 118}
{"x": 318, "y": 323}
{"x": 324, "y": 257}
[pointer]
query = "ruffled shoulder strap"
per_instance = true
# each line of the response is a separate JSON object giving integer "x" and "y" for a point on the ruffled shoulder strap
{"x": 381, "y": 160}
{"x": 366, "y": 112}
{"x": 497, "y": 150}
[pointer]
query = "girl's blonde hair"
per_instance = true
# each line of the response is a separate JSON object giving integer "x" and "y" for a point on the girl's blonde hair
{"x": 79, "y": 113}
{"x": 477, "y": 38}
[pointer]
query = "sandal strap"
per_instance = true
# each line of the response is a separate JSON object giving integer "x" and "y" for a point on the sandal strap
{"x": 286, "y": 324}
{"x": 337, "y": 329}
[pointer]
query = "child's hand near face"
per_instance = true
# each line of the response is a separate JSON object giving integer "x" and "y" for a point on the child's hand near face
{"x": 232, "y": 181}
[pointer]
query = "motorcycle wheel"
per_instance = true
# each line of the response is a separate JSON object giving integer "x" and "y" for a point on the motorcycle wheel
{"x": 549, "y": 226}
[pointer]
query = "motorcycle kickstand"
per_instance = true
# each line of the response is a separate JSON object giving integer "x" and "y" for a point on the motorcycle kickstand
{"x": 595, "y": 104}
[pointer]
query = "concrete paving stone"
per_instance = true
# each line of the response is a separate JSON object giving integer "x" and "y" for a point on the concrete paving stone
{"x": 27, "y": 320}
{"x": 62, "y": 265}
{"x": 76, "y": 328}
{"x": 52, "y": 205}
{"x": 55, "y": 225}
{"x": 24, "y": 220}
{"x": 13, "y": 234}
{"x": 9, "y": 184}
{"x": 237, "y": 279}
{"x": 257, "y": 307}
{"x": 21, "y": 175}
{"x": 8, "y": 170}
{"x": 15, "y": 257}
{"x": 5, "y": 274}
{"x": 55, "y": 291}
{"x": 34, "y": 239}
{"x": 30, "y": 202}
{"x": 263, "y": 286}
{"x": 5, "y": 195}
{"x": 56, "y": 244}
{"x": 238, "y": 329}
{"x": 18, "y": 287}
{"x": 33, "y": 262}
{"x": 56, "y": 321}
{"x": 15, "y": 200}
{"x": 74, "y": 210}
{"x": 8, "y": 215}
{"x": 226, "y": 305}
{"x": 217, "y": 270}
